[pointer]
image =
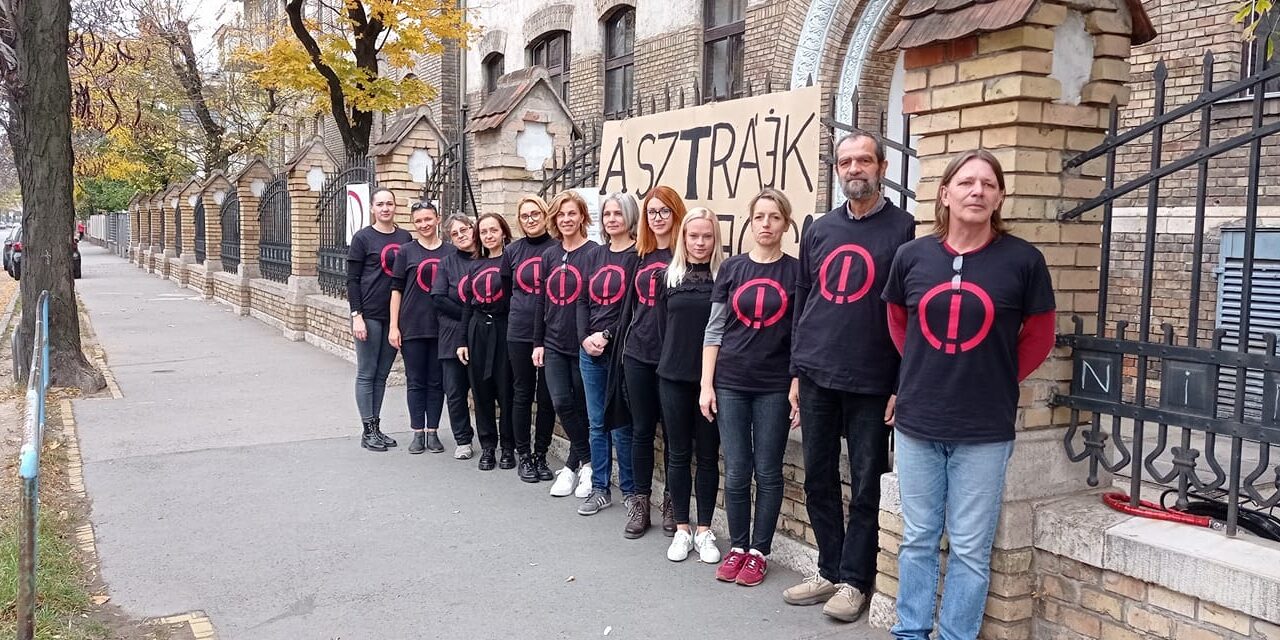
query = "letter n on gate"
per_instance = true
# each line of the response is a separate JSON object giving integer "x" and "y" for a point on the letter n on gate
{"x": 1096, "y": 375}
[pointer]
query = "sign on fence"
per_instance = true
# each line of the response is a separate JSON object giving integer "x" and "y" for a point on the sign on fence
{"x": 719, "y": 155}
{"x": 358, "y": 208}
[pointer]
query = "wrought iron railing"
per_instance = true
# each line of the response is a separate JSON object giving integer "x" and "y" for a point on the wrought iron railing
{"x": 1198, "y": 387}
{"x": 197, "y": 219}
{"x": 275, "y": 249}
{"x": 332, "y": 216}
{"x": 177, "y": 229}
{"x": 230, "y": 220}
{"x": 449, "y": 184}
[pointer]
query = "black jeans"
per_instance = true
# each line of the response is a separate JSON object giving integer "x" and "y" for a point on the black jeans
{"x": 646, "y": 411}
{"x": 529, "y": 382}
{"x": 846, "y": 549}
{"x": 456, "y": 386}
{"x": 493, "y": 393}
{"x": 690, "y": 436}
{"x": 423, "y": 379}
{"x": 564, "y": 380}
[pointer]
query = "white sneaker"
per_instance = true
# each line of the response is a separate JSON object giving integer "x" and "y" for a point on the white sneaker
{"x": 705, "y": 543}
{"x": 680, "y": 547}
{"x": 564, "y": 484}
{"x": 463, "y": 452}
{"x": 584, "y": 482}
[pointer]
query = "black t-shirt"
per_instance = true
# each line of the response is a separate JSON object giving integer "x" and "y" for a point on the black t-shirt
{"x": 555, "y": 319}
{"x": 755, "y": 352}
{"x": 841, "y": 336}
{"x": 644, "y": 337}
{"x": 369, "y": 262}
{"x": 608, "y": 274}
{"x": 685, "y": 310}
{"x": 959, "y": 379}
{"x": 523, "y": 258}
{"x": 449, "y": 292}
{"x": 414, "y": 270}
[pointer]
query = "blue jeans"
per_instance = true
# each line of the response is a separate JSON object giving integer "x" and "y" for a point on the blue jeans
{"x": 958, "y": 487}
{"x": 595, "y": 380}
{"x": 753, "y": 436}
{"x": 374, "y": 356}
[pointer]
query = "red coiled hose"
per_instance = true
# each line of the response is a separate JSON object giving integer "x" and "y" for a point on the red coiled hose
{"x": 1145, "y": 509}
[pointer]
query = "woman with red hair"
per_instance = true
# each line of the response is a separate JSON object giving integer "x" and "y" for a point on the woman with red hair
{"x": 660, "y": 216}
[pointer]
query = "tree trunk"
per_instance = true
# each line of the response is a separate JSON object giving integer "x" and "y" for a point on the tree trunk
{"x": 40, "y": 131}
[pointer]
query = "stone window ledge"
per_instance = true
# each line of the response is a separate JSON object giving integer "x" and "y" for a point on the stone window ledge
{"x": 1241, "y": 573}
{"x": 1242, "y": 108}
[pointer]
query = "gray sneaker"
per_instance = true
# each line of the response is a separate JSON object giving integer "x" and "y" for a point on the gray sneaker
{"x": 814, "y": 590}
{"x": 596, "y": 500}
{"x": 847, "y": 605}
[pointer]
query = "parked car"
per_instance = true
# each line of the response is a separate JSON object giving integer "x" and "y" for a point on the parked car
{"x": 15, "y": 268}
{"x": 9, "y": 240}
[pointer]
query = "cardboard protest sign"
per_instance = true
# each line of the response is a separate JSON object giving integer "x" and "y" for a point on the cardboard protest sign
{"x": 720, "y": 155}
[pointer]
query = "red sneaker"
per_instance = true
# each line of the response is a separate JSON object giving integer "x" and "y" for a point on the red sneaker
{"x": 753, "y": 570}
{"x": 733, "y": 561}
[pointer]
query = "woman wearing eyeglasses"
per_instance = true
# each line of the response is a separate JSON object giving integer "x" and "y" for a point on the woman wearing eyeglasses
{"x": 661, "y": 214}
{"x": 414, "y": 328}
{"x": 555, "y": 335}
{"x": 484, "y": 343}
{"x": 971, "y": 309}
{"x": 599, "y": 313}
{"x": 369, "y": 261}
{"x": 746, "y": 383}
{"x": 684, "y": 302}
{"x": 448, "y": 292}
{"x": 523, "y": 260}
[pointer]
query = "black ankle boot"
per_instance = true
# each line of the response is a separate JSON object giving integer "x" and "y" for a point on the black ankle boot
{"x": 487, "y": 460}
{"x": 433, "y": 442}
{"x": 369, "y": 439}
{"x": 527, "y": 470}
{"x": 419, "y": 443}
{"x": 507, "y": 460}
{"x": 387, "y": 441}
{"x": 541, "y": 469}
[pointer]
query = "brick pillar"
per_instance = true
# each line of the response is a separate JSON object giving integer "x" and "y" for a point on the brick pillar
{"x": 213, "y": 226}
{"x": 502, "y": 175}
{"x": 249, "y": 185}
{"x": 306, "y": 177}
{"x": 135, "y": 229}
{"x": 1011, "y": 92}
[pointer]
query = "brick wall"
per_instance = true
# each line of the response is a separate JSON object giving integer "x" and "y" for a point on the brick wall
{"x": 328, "y": 324}
{"x": 267, "y": 298}
{"x": 674, "y": 59}
{"x": 1076, "y": 601}
{"x": 196, "y": 279}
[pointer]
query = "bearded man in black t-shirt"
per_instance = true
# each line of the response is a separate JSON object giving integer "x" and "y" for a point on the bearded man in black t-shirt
{"x": 847, "y": 368}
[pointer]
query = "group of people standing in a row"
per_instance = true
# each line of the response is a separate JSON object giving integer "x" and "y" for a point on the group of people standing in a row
{"x": 866, "y": 331}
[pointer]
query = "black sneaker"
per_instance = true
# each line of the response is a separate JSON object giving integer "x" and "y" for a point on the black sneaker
{"x": 419, "y": 443}
{"x": 526, "y": 470}
{"x": 508, "y": 459}
{"x": 487, "y": 460}
{"x": 540, "y": 467}
{"x": 433, "y": 443}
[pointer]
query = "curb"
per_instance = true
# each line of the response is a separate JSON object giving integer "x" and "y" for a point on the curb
{"x": 86, "y": 540}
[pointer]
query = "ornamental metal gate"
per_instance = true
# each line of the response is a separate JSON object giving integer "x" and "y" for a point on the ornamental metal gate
{"x": 230, "y": 219}
{"x": 1185, "y": 406}
{"x": 198, "y": 220}
{"x": 449, "y": 184}
{"x": 177, "y": 228}
{"x": 333, "y": 211}
{"x": 275, "y": 253}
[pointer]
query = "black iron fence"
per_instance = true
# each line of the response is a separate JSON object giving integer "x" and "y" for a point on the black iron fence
{"x": 197, "y": 219}
{"x": 449, "y": 184}
{"x": 1212, "y": 402}
{"x": 177, "y": 228}
{"x": 275, "y": 251}
{"x": 333, "y": 211}
{"x": 230, "y": 219}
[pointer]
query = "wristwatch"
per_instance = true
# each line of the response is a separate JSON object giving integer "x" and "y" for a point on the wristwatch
{"x": 608, "y": 335}
{"x": 355, "y": 313}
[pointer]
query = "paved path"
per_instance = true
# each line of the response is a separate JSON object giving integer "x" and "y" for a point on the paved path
{"x": 229, "y": 479}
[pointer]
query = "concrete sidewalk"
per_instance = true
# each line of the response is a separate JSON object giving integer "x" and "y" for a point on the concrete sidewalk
{"x": 230, "y": 479}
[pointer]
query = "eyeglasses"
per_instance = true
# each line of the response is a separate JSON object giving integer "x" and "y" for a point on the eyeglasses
{"x": 532, "y": 216}
{"x": 658, "y": 214}
{"x": 460, "y": 233}
{"x": 957, "y": 263}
